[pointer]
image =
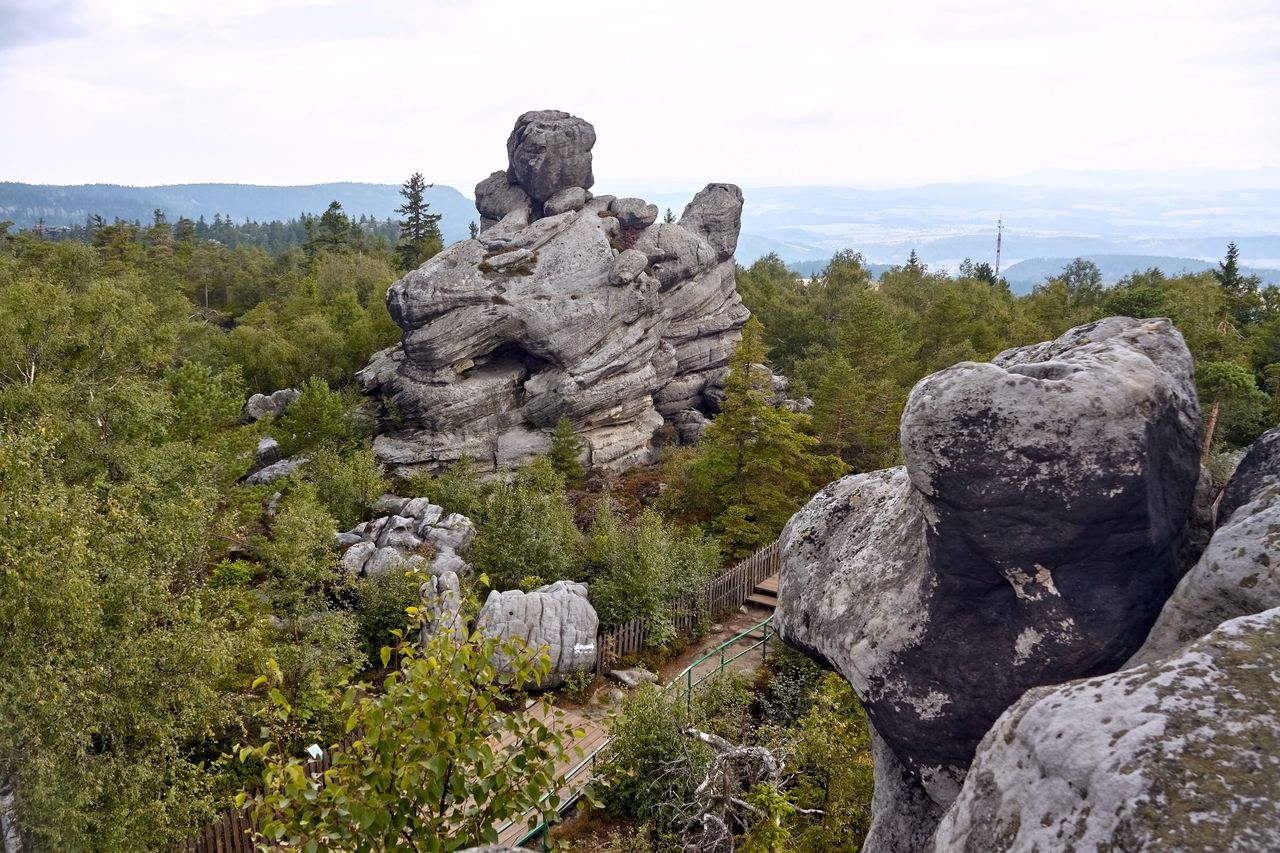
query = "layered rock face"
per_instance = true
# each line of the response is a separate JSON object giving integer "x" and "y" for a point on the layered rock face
{"x": 565, "y": 305}
{"x": 1031, "y": 537}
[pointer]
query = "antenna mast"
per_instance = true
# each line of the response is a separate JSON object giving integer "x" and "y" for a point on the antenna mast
{"x": 999, "y": 234}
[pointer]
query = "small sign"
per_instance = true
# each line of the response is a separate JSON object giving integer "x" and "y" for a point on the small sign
{"x": 315, "y": 751}
{"x": 583, "y": 649}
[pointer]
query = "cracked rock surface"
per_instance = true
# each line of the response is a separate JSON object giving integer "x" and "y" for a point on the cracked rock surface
{"x": 564, "y": 305}
{"x": 1031, "y": 537}
{"x": 557, "y": 617}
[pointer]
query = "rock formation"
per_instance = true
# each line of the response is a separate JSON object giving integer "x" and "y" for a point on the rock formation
{"x": 1239, "y": 573}
{"x": 412, "y": 534}
{"x": 564, "y": 305}
{"x": 1181, "y": 754}
{"x": 557, "y": 617}
{"x": 1031, "y": 537}
{"x": 260, "y": 405}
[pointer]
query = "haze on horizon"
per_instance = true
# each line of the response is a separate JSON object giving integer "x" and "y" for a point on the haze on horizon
{"x": 284, "y": 92}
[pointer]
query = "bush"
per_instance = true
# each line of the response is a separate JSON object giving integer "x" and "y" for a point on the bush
{"x": 650, "y": 768}
{"x": 319, "y": 417}
{"x": 347, "y": 483}
{"x": 525, "y": 529}
{"x": 381, "y": 609}
{"x": 722, "y": 705}
{"x": 637, "y": 569}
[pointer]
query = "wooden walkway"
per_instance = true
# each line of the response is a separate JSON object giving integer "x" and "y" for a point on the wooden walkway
{"x": 765, "y": 593}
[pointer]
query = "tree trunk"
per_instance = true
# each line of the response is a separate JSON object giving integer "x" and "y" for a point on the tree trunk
{"x": 1208, "y": 433}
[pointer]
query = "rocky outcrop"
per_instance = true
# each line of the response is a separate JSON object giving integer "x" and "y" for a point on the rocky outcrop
{"x": 412, "y": 534}
{"x": 260, "y": 405}
{"x": 557, "y": 617}
{"x": 565, "y": 305}
{"x": 1239, "y": 573}
{"x": 1031, "y": 537}
{"x": 1180, "y": 754}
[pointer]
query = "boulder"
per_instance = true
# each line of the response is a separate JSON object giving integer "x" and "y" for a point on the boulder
{"x": 570, "y": 199}
{"x": 442, "y": 605}
{"x": 556, "y": 311}
{"x": 1035, "y": 525}
{"x": 1239, "y": 573}
{"x": 631, "y": 678}
{"x": 496, "y": 196}
{"x": 274, "y": 404}
{"x": 549, "y": 151}
{"x": 557, "y": 617}
{"x": 413, "y": 535}
{"x": 634, "y": 213}
{"x": 276, "y": 471}
{"x": 1179, "y": 754}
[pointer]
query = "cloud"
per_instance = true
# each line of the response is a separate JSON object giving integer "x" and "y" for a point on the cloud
{"x": 34, "y": 22}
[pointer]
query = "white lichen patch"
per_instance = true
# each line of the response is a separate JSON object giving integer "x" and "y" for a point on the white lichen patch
{"x": 1025, "y": 644}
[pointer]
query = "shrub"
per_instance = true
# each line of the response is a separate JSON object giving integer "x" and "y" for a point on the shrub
{"x": 319, "y": 417}
{"x": 347, "y": 483}
{"x": 383, "y": 601}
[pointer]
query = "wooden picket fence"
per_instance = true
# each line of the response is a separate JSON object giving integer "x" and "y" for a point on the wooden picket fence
{"x": 723, "y": 594}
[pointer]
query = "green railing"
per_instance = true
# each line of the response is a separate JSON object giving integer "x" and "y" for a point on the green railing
{"x": 688, "y": 681}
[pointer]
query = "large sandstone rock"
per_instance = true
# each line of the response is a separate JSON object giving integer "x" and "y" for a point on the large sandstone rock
{"x": 557, "y": 617}
{"x": 615, "y": 325}
{"x": 1180, "y": 754}
{"x": 1031, "y": 537}
{"x": 1239, "y": 573}
{"x": 259, "y": 406}
{"x": 550, "y": 151}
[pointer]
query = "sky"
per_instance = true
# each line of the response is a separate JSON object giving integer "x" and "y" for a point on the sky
{"x": 856, "y": 93}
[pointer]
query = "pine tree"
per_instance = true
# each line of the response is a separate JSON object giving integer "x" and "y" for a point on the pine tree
{"x": 420, "y": 229}
{"x": 566, "y": 448}
{"x": 758, "y": 464}
{"x": 1241, "y": 291}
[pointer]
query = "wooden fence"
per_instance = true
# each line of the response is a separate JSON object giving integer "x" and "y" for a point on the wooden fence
{"x": 723, "y": 594}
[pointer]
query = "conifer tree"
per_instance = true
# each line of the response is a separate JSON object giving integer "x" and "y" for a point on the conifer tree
{"x": 566, "y": 448}
{"x": 420, "y": 237}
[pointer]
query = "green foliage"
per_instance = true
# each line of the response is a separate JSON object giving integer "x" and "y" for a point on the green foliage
{"x": 577, "y": 683}
{"x": 318, "y": 417}
{"x": 526, "y": 528}
{"x": 383, "y": 602}
{"x": 828, "y": 753}
{"x": 650, "y": 768}
{"x": 636, "y": 569}
{"x": 722, "y": 705}
{"x": 757, "y": 464}
{"x": 770, "y": 834}
{"x": 420, "y": 229}
{"x": 566, "y": 448}
{"x": 347, "y": 483}
{"x": 426, "y": 771}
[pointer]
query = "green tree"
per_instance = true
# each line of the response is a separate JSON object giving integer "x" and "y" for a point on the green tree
{"x": 419, "y": 229}
{"x": 566, "y": 452}
{"x": 439, "y": 764}
{"x": 333, "y": 232}
{"x": 1243, "y": 301}
{"x": 757, "y": 464}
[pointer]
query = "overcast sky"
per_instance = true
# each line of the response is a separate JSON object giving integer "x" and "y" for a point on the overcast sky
{"x": 681, "y": 93}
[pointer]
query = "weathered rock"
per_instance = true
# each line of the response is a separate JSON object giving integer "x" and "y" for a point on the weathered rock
{"x": 274, "y": 404}
{"x": 1258, "y": 471}
{"x": 267, "y": 453}
{"x": 631, "y": 678}
{"x": 1181, "y": 754}
{"x": 415, "y": 535}
{"x": 276, "y": 471}
{"x": 442, "y": 602}
{"x": 1239, "y": 573}
{"x": 569, "y": 199}
{"x": 637, "y": 213}
{"x": 496, "y": 196}
{"x": 549, "y": 151}
{"x": 716, "y": 214}
{"x": 1035, "y": 525}
{"x": 690, "y": 425}
{"x": 558, "y": 617}
{"x": 558, "y": 316}
{"x": 903, "y": 816}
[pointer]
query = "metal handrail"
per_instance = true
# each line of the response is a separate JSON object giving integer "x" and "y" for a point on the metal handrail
{"x": 687, "y": 675}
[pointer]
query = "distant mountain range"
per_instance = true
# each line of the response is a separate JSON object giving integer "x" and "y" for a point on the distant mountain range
{"x": 1045, "y": 225}
{"x": 25, "y": 204}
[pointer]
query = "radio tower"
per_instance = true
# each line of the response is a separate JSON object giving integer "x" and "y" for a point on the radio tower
{"x": 999, "y": 234}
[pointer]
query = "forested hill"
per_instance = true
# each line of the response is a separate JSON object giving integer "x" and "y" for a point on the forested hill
{"x": 1025, "y": 275}
{"x": 27, "y": 204}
